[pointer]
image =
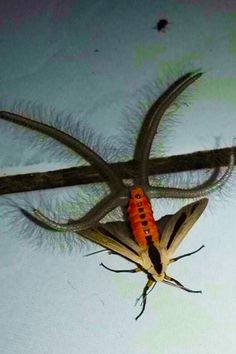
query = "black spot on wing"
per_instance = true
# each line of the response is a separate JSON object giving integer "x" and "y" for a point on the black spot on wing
{"x": 178, "y": 224}
{"x": 161, "y": 223}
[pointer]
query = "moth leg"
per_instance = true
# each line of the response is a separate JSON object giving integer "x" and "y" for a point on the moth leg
{"x": 135, "y": 270}
{"x": 177, "y": 284}
{"x": 149, "y": 284}
{"x": 186, "y": 255}
{"x": 96, "y": 252}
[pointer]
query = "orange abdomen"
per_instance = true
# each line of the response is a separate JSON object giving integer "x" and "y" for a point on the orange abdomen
{"x": 141, "y": 218}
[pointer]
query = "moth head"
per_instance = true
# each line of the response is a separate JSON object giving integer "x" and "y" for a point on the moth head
{"x": 158, "y": 277}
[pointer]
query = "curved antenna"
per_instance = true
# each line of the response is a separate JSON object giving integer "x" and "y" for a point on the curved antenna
{"x": 196, "y": 192}
{"x": 104, "y": 169}
{"x": 151, "y": 123}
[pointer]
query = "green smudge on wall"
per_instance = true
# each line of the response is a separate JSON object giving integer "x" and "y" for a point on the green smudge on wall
{"x": 232, "y": 41}
{"x": 144, "y": 54}
{"x": 219, "y": 89}
{"x": 180, "y": 65}
{"x": 147, "y": 53}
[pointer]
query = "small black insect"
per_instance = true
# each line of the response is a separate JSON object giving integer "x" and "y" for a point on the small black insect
{"x": 161, "y": 25}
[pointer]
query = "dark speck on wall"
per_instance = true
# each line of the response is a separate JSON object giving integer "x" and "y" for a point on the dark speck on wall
{"x": 161, "y": 25}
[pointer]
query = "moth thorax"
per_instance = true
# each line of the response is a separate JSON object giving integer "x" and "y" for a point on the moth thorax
{"x": 158, "y": 277}
{"x": 155, "y": 258}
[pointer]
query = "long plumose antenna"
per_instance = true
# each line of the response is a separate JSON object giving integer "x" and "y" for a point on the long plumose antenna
{"x": 152, "y": 121}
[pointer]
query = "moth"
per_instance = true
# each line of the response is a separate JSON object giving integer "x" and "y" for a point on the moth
{"x": 150, "y": 245}
{"x": 152, "y": 260}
